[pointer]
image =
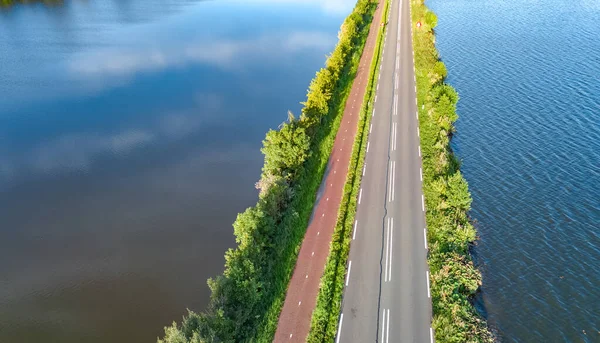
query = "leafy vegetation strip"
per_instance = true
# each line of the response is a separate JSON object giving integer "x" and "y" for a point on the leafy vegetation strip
{"x": 454, "y": 278}
{"x": 246, "y": 300}
{"x": 326, "y": 314}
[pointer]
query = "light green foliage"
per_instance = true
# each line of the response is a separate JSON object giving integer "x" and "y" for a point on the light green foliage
{"x": 454, "y": 278}
{"x": 430, "y": 19}
{"x": 246, "y": 300}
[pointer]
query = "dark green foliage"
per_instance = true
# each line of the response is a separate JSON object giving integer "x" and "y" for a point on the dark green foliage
{"x": 246, "y": 300}
{"x": 454, "y": 278}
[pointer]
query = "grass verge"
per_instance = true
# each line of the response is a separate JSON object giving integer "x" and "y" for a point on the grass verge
{"x": 326, "y": 314}
{"x": 454, "y": 278}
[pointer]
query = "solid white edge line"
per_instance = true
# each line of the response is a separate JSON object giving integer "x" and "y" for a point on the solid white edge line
{"x": 355, "y": 226}
{"x": 359, "y": 196}
{"x": 428, "y": 292}
{"x": 391, "y": 248}
{"x": 337, "y": 340}
{"x": 348, "y": 275}
{"x": 423, "y": 202}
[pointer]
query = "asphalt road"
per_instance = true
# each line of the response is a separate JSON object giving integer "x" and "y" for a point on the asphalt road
{"x": 387, "y": 296}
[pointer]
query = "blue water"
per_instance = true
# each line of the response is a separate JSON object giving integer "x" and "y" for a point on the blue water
{"x": 528, "y": 74}
{"x": 129, "y": 140}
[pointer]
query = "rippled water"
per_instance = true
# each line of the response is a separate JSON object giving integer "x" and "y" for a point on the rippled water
{"x": 528, "y": 73}
{"x": 129, "y": 140}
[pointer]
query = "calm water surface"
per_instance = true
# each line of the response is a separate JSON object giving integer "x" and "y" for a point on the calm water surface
{"x": 528, "y": 73}
{"x": 129, "y": 139}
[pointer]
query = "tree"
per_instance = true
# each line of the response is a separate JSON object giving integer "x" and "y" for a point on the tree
{"x": 285, "y": 150}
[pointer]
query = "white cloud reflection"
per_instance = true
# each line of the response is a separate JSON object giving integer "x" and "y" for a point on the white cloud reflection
{"x": 78, "y": 151}
{"x": 338, "y": 7}
{"x": 224, "y": 54}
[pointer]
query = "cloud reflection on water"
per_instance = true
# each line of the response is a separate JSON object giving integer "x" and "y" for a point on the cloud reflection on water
{"x": 229, "y": 54}
{"x": 103, "y": 69}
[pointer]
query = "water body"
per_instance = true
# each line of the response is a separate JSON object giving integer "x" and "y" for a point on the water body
{"x": 528, "y": 74}
{"x": 129, "y": 140}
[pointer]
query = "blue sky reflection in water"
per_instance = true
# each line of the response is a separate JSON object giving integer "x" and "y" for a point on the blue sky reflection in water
{"x": 528, "y": 74}
{"x": 129, "y": 140}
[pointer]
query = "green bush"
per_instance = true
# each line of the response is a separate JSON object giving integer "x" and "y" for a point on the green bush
{"x": 454, "y": 278}
{"x": 246, "y": 300}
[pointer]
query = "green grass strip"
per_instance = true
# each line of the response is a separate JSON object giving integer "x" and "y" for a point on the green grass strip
{"x": 454, "y": 278}
{"x": 326, "y": 314}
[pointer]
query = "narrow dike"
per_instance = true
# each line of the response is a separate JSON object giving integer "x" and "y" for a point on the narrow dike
{"x": 454, "y": 278}
{"x": 247, "y": 299}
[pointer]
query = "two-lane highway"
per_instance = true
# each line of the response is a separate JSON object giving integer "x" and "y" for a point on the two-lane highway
{"x": 387, "y": 297}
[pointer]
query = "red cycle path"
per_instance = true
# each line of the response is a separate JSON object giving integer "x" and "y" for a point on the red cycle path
{"x": 301, "y": 297}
